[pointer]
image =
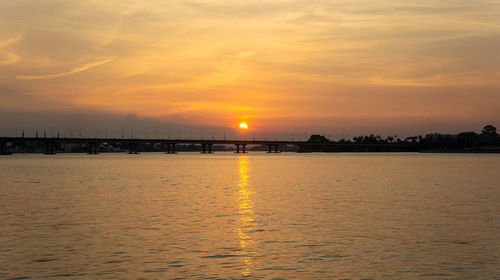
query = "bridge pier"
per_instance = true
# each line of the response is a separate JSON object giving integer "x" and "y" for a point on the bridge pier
{"x": 3, "y": 149}
{"x": 50, "y": 148}
{"x": 243, "y": 148}
{"x": 93, "y": 148}
{"x": 206, "y": 148}
{"x": 133, "y": 148}
{"x": 271, "y": 147}
{"x": 170, "y": 148}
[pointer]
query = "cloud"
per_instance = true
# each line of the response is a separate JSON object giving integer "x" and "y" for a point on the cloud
{"x": 76, "y": 70}
{"x": 10, "y": 41}
{"x": 7, "y": 57}
{"x": 211, "y": 61}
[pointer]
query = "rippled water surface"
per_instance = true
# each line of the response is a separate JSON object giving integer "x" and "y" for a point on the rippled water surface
{"x": 255, "y": 216}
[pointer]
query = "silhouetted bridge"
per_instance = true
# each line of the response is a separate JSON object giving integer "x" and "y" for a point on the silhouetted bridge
{"x": 52, "y": 145}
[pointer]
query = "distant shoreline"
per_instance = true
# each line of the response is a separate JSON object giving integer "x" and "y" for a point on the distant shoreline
{"x": 496, "y": 151}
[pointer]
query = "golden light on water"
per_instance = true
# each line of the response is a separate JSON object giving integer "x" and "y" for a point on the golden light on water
{"x": 246, "y": 221}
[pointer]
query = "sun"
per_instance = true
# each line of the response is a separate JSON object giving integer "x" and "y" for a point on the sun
{"x": 243, "y": 126}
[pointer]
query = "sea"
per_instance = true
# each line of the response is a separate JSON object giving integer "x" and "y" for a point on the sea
{"x": 250, "y": 216}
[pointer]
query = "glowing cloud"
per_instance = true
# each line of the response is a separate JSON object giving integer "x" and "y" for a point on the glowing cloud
{"x": 295, "y": 65}
{"x": 76, "y": 70}
{"x": 10, "y": 41}
{"x": 8, "y": 57}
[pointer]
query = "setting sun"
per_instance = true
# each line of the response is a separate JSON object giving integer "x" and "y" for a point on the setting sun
{"x": 243, "y": 126}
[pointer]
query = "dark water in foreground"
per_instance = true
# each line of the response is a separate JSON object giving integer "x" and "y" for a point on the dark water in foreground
{"x": 255, "y": 216}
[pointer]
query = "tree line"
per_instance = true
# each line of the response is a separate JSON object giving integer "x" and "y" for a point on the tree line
{"x": 487, "y": 139}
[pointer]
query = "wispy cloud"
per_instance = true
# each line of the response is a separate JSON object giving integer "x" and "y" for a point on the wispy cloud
{"x": 7, "y": 57}
{"x": 285, "y": 60}
{"x": 10, "y": 41}
{"x": 57, "y": 75}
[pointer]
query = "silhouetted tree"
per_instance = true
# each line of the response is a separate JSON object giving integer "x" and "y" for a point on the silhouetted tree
{"x": 318, "y": 139}
{"x": 358, "y": 139}
{"x": 411, "y": 139}
{"x": 489, "y": 130}
{"x": 467, "y": 139}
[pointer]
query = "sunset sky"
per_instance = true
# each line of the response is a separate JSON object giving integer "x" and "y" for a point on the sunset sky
{"x": 333, "y": 67}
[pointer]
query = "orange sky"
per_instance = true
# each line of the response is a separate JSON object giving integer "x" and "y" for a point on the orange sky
{"x": 306, "y": 66}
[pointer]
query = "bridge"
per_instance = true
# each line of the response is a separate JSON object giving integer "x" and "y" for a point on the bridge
{"x": 52, "y": 145}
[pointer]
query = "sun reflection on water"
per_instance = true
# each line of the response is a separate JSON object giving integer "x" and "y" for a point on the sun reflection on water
{"x": 245, "y": 209}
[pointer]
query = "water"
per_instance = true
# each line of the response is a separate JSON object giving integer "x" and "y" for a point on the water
{"x": 255, "y": 216}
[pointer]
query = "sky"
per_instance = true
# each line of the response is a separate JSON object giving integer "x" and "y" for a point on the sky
{"x": 338, "y": 68}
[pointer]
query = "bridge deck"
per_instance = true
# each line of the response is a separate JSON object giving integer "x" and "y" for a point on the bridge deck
{"x": 133, "y": 145}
